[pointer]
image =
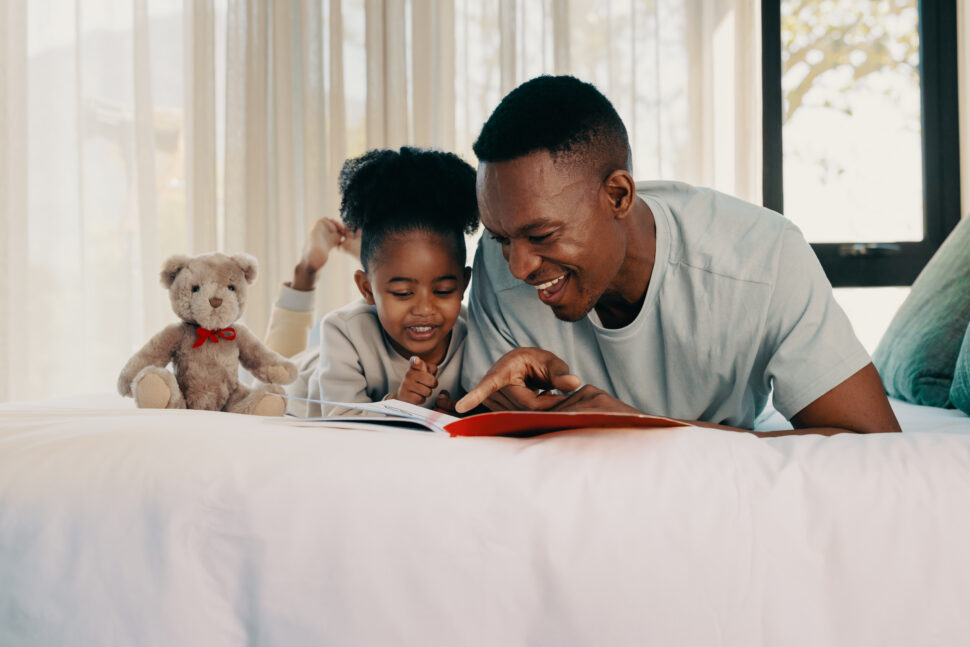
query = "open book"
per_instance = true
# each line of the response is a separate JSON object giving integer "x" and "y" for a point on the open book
{"x": 391, "y": 414}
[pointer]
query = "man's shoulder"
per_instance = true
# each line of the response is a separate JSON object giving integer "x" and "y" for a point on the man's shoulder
{"x": 718, "y": 233}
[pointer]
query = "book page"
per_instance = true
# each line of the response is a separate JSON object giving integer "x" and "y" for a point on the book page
{"x": 395, "y": 409}
{"x": 407, "y": 410}
{"x": 365, "y": 423}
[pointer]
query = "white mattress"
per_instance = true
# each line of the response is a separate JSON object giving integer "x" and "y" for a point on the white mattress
{"x": 128, "y": 527}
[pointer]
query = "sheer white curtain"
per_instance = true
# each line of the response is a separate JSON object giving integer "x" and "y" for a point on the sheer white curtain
{"x": 134, "y": 129}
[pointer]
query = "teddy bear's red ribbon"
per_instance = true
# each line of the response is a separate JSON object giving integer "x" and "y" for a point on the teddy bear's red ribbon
{"x": 213, "y": 335}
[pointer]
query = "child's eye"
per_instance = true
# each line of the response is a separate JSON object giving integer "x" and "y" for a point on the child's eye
{"x": 195, "y": 288}
{"x": 402, "y": 295}
{"x": 444, "y": 293}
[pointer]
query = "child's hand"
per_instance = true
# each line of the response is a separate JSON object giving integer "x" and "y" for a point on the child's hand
{"x": 351, "y": 242}
{"x": 418, "y": 382}
{"x": 325, "y": 235}
{"x": 445, "y": 403}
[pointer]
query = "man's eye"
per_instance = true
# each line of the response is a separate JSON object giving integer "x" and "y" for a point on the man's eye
{"x": 538, "y": 239}
{"x": 499, "y": 239}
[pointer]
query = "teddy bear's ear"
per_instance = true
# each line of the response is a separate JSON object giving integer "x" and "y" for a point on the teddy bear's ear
{"x": 248, "y": 264}
{"x": 172, "y": 267}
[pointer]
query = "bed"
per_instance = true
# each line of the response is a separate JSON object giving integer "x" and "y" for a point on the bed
{"x": 121, "y": 526}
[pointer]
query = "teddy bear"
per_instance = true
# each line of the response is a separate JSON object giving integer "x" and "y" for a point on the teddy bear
{"x": 208, "y": 292}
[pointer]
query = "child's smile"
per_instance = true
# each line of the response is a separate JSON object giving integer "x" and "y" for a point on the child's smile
{"x": 422, "y": 333}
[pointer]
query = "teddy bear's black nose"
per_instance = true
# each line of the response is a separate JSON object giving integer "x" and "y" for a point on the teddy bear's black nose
{"x": 215, "y": 302}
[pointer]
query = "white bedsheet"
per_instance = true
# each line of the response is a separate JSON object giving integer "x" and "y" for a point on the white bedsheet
{"x": 127, "y": 527}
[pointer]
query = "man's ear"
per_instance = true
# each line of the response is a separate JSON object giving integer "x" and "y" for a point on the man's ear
{"x": 363, "y": 284}
{"x": 468, "y": 278}
{"x": 172, "y": 267}
{"x": 248, "y": 265}
{"x": 621, "y": 192}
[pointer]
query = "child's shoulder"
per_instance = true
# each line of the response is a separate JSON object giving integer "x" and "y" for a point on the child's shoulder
{"x": 356, "y": 314}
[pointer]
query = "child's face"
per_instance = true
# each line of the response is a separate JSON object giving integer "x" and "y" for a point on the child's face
{"x": 417, "y": 283}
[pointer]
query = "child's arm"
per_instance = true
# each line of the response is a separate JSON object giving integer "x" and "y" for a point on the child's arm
{"x": 292, "y": 316}
{"x": 340, "y": 375}
{"x": 290, "y": 322}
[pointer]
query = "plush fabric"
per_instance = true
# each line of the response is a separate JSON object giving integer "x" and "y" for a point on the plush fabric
{"x": 960, "y": 391}
{"x": 917, "y": 355}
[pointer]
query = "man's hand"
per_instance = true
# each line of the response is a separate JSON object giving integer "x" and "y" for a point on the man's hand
{"x": 593, "y": 399}
{"x": 519, "y": 380}
{"x": 418, "y": 382}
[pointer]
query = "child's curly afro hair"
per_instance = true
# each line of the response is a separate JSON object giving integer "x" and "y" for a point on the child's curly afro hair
{"x": 393, "y": 191}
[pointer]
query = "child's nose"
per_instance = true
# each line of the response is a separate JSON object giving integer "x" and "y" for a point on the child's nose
{"x": 421, "y": 305}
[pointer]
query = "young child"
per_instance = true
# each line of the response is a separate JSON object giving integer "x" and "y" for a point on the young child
{"x": 405, "y": 338}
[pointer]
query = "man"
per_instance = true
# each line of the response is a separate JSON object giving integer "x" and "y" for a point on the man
{"x": 662, "y": 298}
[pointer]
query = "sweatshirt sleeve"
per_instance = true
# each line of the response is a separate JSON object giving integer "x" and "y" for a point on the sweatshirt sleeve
{"x": 340, "y": 375}
{"x": 290, "y": 321}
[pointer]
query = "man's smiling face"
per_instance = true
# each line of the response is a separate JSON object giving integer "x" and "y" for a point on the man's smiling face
{"x": 557, "y": 230}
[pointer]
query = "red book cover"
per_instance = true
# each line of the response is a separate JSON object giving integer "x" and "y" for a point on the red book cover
{"x": 523, "y": 424}
{"x": 520, "y": 424}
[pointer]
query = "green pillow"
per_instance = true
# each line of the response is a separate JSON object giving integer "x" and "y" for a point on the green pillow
{"x": 960, "y": 391}
{"x": 917, "y": 355}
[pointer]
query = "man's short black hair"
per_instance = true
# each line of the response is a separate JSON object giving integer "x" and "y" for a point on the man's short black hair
{"x": 561, "y": 114}
{"x": 386, "y": 192}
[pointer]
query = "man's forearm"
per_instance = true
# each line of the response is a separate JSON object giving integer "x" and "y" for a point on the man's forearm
{"x": 593, "y": 399}
{"x": 809, "y": 431}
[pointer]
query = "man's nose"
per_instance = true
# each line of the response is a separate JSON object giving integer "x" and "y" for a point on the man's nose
{"x": 522, "y": 260}
{"x": 215, "y": 302}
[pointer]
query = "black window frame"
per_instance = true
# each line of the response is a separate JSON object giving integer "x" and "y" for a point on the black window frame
{"x": 865, "y": 263}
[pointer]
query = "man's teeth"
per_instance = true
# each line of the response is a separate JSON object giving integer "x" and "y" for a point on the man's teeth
{"x": 546, "y": 286}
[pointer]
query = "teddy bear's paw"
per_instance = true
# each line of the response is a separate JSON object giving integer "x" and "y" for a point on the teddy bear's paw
{"x": 152, "y": 392}
{"x": 270, "y": 405}
{"x": 282, "y": 374}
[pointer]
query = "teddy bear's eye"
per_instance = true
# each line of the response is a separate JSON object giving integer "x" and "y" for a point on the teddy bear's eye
{"x": 195, "y": 288}
{"x": 232, "y": 288}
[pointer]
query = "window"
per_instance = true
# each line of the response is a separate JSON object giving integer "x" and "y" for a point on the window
{"x": 860, "y": 131}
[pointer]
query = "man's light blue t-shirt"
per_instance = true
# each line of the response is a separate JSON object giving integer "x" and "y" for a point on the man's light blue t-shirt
{"x": 737, "y": 305}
